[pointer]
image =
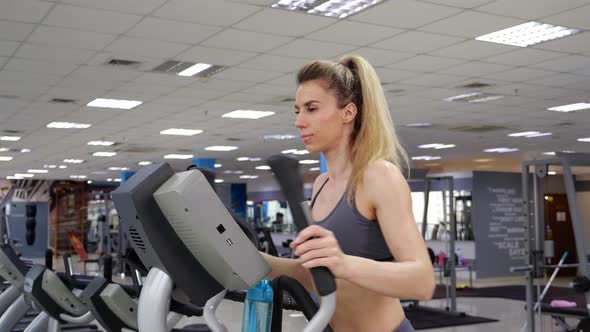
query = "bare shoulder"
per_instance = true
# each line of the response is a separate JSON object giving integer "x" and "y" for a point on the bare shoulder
{"x": 317, "y": 183}
{"x": 382, "y": 172}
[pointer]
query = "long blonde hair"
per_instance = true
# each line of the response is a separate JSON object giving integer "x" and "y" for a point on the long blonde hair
{"x": 353, "y": 79}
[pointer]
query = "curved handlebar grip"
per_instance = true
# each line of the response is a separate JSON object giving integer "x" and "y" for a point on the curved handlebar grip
{"x": 286, "y": 170}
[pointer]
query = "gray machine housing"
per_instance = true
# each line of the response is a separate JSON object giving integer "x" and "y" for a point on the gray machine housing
{"x": 208, "y": 230}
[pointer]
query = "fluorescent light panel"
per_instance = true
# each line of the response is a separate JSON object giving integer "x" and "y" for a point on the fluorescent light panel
{"x": 586, "y": 139}
{"x": 308, "y": 162}
{"x": 5, "y": 158}
{"x": 9, "y": 138}
{"x": 78, "y": 176}
{"x": 529, "y": 134}
{"x": 500, "y": 150}
{"x": 25, "y": 150}
{"x": 279, "y": 137}
{"x": 218, "y": 180}
{"x": 24, "y": 175}
{"x": 571, "y": 107}
{"x": 104, "y": 154}
{"x": 436, "y": 146}
{"x": 218, "y": 165}
{"x": 181, "y": 132}
{"x": 178, "y": 156}
{"x": 68, "y": 125}
{"x": 101, "y": 143}
{"x": 263, "y": 167}
{"x": 144, "y": 163}
{"x": 195, "y": 69}
{"x": 73, "y": 161}
{"x": 247, "y": 114}
{"x": 114, "y": 103}
{"x": 527, "y": 34}
{"x": 426, "y": 158}
{"x": 221, "y": 148}
{"x": 330, "y": 8}
{"x": 419, "y": 124}
{"x": 39, "y": 171}
{"x": 115, "y": 168}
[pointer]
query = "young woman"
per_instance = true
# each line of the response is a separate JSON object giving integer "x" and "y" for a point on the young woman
{"x": 364, "y": 230}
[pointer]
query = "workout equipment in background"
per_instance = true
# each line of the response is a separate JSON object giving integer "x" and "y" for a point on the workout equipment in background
{"x": 536, "y": 259}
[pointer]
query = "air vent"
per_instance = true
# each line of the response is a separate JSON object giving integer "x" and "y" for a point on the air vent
{"x": 233, "y": 139}
{"x": 396, "y": 91}
{"x": 564, "y": 124}
{"x": 184, "y": 150}
{"x": 474, "y": 85}
{"x": 478, "y": 128}
{"x": 62, "y": 101}
{"x": 176, "y": 67}
{"x": 137, "y": 239}
{"x": 12, "y": 131}
{"x": 9, "y": 96}
{"x": 123, "y": 63}
{"x": 288, "y": 100}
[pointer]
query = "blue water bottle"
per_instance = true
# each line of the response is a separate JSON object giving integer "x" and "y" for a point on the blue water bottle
{"x": 258, "y": 308}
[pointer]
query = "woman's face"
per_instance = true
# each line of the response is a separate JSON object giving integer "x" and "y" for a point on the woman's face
{"x": 320, "y": 122}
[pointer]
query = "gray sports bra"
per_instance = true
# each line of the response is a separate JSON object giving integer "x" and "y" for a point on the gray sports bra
{"x": 356, "y": 235}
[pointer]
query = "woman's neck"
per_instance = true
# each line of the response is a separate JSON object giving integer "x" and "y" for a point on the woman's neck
{"x": 338, "y": 163}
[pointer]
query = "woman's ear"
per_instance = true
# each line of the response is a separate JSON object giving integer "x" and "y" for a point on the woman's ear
{"x": 349, "y": 113}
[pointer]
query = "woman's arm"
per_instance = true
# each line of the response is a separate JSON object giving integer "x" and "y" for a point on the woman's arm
{"x": 289, "y": 267}
{"x": 411, "y": 276}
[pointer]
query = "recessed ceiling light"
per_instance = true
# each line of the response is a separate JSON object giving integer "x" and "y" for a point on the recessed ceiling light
{"x": 585, "y": 139}
{"x": 73, "y": 161}
{"x": 243, "y": 159}
{"x": 89, "y": 182}
{"x": 571, "y": 107}
{"x": 64, "y": 166}
{"x": 232, "y": 172}
{"x": 247, "y": 114}
{"x": 218, "y": 165}
{"x": 9, "y": 138}
{"x": 527, "y": 34}
{"x": 568, "y": 151}
{"x": 104, "y": 154}
{"x": 426, "y": 158}
{"x": 115, "y": 168}
{"x": 181, "y": 132}
{"x": 40, "y": 171}
{"x": 550, "y": 153}
{"x": 114, "y": 103}
{"x": 308, "y": 161}
{"x": 218, "y": 180}
{"x": 279, "y": 137}
{"x": 263, "y": 167}
{"x": 178, "y": 156}
{"x": 144, "y": 163}
{"x": 539, "y": 135}
{"x": 500, "y": 150}
{"x": 78, "y": 176}
{"x": 195, "y": 69}
{"x": 288, "y": 151}
{"x": 25, "y": 150}
{"x": 437, "y": 146}
{"x": 419, "y": 124}
{"x": 248, "y": 176}
{"x": 524, "y": 133}
{"x": 49, "y": 166}
{"x": 314, "y": 169}
{"x": 552, "y": 173}
{"x": 5, "y": 158}
{"x": 24, "y": 175}
{"x": 330, "y": 8}
{"x": 221, "y": 148}
{"x": 68, "y": 125}
{"x": 4, "y": 149}
{"x": 101, "y": 143}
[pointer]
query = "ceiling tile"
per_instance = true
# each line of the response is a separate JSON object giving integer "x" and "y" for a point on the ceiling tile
{"x": 520, "y": 75}
{"x": 575, "y": 18}
{"x": 475, "y": 68}
{"x": 16, "y": 31}
{"x": 53, "y": 54}
{"x": 356, "y": 33}
{"x": 274, "y": 63}
{"x": 425, "y": 63}
{"x": 404, "y": 13}
{"x": 141, "y": 7}
{"x": 127, "y": 46}
{"x": 530, "y": 10}
{"x": 172, "y": 31}
{"x": 378, "y": 57}
{"x": 245, "y": 41}
{"x": 90, "y": 19}
{"x": 388, "y": 75}
{"x": 30, "y": 11}
{"x": 70, "y": 38}
{"x": 417, "y": 41}
{"x": 35, "y": 66}
{"x": 311, "y": 49}
{"x": 471, "y": 24}
{"x": 459, "y": 3}
{"x": 284, "y": 22}
{"x": 523, "y": 56}
{"x": 566, "y": 63}
{"x": 220, "y": 13}
{"x": 8, "y": 47}
{"x": 472, "y": 50}
{"x": 433, "y": 80}
{"x": 240, "y": 74}
{"x": 559, "y": 80}
{"x": 215, "y": 56}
